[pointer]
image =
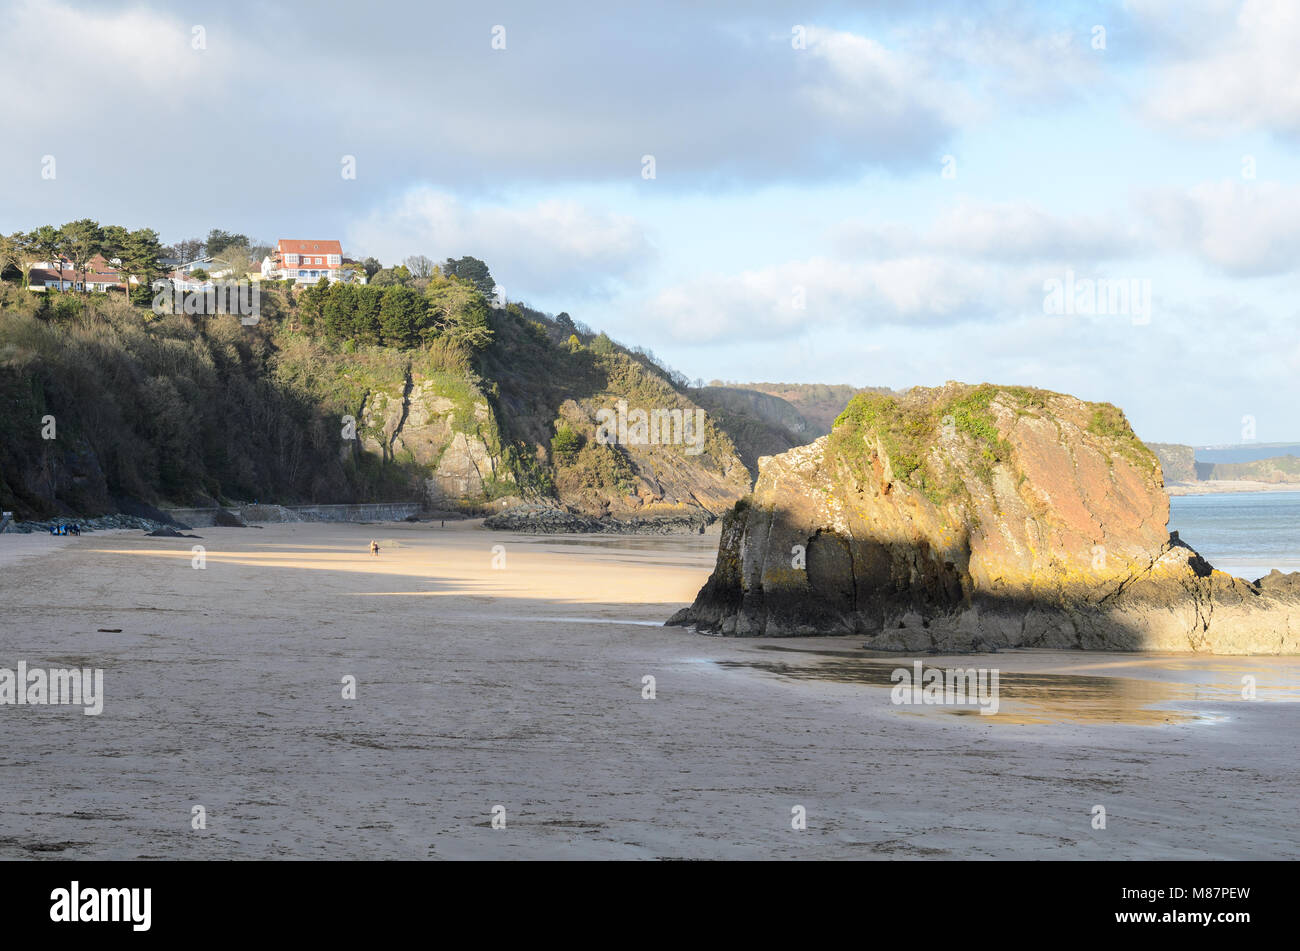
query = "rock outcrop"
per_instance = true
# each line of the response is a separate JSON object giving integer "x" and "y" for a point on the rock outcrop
{"x": 979, "y": 517}
{"x": 443, "y": 428}
{"x": 630, "y": 478}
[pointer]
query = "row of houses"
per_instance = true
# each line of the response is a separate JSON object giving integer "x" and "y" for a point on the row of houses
{"x": 303, "y": 262}
{"x": 100, "y": 275}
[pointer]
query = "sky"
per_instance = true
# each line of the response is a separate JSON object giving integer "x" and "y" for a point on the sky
{"x": 887, "y": 194}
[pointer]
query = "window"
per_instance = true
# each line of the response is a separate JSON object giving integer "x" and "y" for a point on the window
{"x": 335, "y": 260}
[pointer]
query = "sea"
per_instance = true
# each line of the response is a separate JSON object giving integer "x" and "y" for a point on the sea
{"x": 1247, "y": 534}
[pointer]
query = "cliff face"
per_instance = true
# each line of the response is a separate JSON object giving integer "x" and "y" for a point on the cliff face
{"x": 108, "y": 408}
{"x": 979, "y": 517}
{"x": 1275, "y": 469}
{"x": 1178, "y": 463}
{"x": 820, "y": 404}
{"x": 448, "y": 432}
{"x": 758, "y": 423}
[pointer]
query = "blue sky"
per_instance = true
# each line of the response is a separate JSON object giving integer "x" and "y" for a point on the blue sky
{"x": 799, "y": 154}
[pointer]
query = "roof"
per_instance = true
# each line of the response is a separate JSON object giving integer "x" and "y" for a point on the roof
{"x": 308, "y": 246}
{"x": 40, "y": 275}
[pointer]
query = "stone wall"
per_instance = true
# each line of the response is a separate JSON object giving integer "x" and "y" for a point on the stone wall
{"x": 362, "y": 512}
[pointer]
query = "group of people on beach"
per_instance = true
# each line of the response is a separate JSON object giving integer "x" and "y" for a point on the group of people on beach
{"x": 65, "y": 529}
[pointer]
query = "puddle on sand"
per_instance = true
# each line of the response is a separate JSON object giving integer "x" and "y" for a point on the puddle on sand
{"x": 1023, "y": 697}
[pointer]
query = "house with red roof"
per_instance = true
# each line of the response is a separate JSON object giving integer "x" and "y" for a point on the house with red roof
{"x": 305, "y": 261}
{"x": 60, "y": 275}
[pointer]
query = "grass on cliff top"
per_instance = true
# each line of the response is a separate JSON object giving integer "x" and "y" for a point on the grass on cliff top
{"x": 910, "y": 430}
{"x": 1110, "y": 423}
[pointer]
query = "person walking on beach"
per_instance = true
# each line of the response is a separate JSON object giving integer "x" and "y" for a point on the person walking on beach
{"x": 374, "y": 548}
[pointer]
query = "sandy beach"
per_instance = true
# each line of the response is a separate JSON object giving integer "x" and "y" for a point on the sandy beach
{"x": 1219, "y": 486}
{"x": 521, "y": 685}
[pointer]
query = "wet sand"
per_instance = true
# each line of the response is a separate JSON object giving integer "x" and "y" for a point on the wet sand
{"x": 522, "y": 686}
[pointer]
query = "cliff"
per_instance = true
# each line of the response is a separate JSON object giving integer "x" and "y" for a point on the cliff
{"x": 978, "y": 517}
{"x": 194, "y": 411}
{"x": 1177, "y": 463}
{"x": 758, "y": 423}
{"x": 1275, "y": 469}
{"x": 819, "y": 404}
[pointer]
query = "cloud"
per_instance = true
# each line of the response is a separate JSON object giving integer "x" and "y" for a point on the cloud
{"x": 266, "y": 108}
{"x": 532, "y": 249}
{"x": 833, "y": 296}
{"x": 58, "y": 63}
{"x": 1245, "y": 229}
{"x": 989, "y": 60}
{"x": 1010, "y": 232}
{"x": 1230, "y": 69}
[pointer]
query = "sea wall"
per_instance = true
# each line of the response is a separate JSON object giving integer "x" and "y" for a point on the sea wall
{"x": 362, "y": 512}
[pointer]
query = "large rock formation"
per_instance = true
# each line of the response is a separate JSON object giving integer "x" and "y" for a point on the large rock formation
{"x": 975, "y": 517}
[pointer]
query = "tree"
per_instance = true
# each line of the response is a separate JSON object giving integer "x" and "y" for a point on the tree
{"x": 338, "y": 313}
{"x": 219, "y": 240}
{"x": 372, "y": 267}
{"x": 8, "y": 247}
{"x": 401, "y": 316}
{"x": 47, "y": 243}
{"x": 113, "y": 241}
{"x": 420, "y": 266}
{"x": 140, "y": 253}
{"x": 17, "y": 250}
{"x": 188, "y": 250}
{"x": 233, "y": 258}
{"x": 387, "y": 277}
{"x": 351, "y": 272}
{"x": 365, "y": 323}
{"x": 472, "y": 270}
{"x": 82, "y": 240}
{"x": 566, "y": 442}
{"x": 459, "y": 311}
{"x": 311, "y": 302}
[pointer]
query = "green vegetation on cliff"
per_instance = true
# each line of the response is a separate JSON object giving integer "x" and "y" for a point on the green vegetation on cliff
{"x": 194, "y": 410}
{"x": 153, "y": 409}
{"x": 912, "y": 429}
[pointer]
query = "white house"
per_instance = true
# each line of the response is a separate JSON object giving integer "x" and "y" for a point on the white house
{"x": 306, "y": 261}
